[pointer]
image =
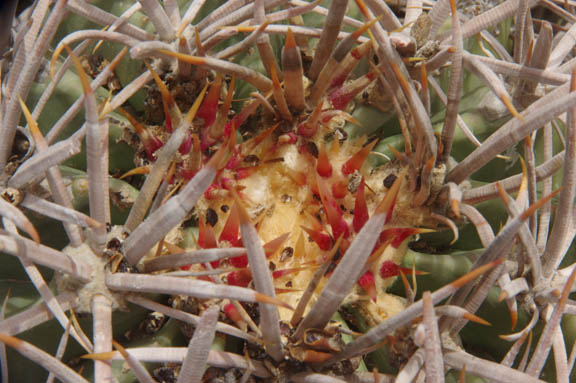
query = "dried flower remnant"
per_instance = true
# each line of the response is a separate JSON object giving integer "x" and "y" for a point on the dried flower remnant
{"x": 284, "y": 160}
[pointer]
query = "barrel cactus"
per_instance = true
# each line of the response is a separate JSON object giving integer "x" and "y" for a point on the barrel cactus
{"x": 288, "y": 191}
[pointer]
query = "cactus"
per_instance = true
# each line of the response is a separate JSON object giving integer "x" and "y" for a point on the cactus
{"x": 288, "y": 191}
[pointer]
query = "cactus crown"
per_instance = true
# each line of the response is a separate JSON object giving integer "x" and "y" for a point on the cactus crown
{"x": 282, "y": 184}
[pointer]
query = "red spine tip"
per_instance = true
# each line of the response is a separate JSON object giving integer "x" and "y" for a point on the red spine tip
{"x": 323, "y": 166}
{"x": 341, "y": 97}
{"x": 339, "y": 189}
{"x": 307, "y": 129}
{"x": 206, "y": 237}
{"x": 389, "y": 269}
{"x": 186, "y": 144}
{"x": 232, "y": 312}
{"x": 231, "y": 228}
{"x": 357, "y": 160}
{"x": 209, "y": 108}
{"x": 323, "y": 240}
{"x": 397, "y": 235}
{"x": 367, "y": 282}
{"x": 240, "y": 278}
{"x": 361, "y": 214}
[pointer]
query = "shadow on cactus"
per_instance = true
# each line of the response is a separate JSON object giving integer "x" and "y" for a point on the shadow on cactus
{"x": 288, "y": 191}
